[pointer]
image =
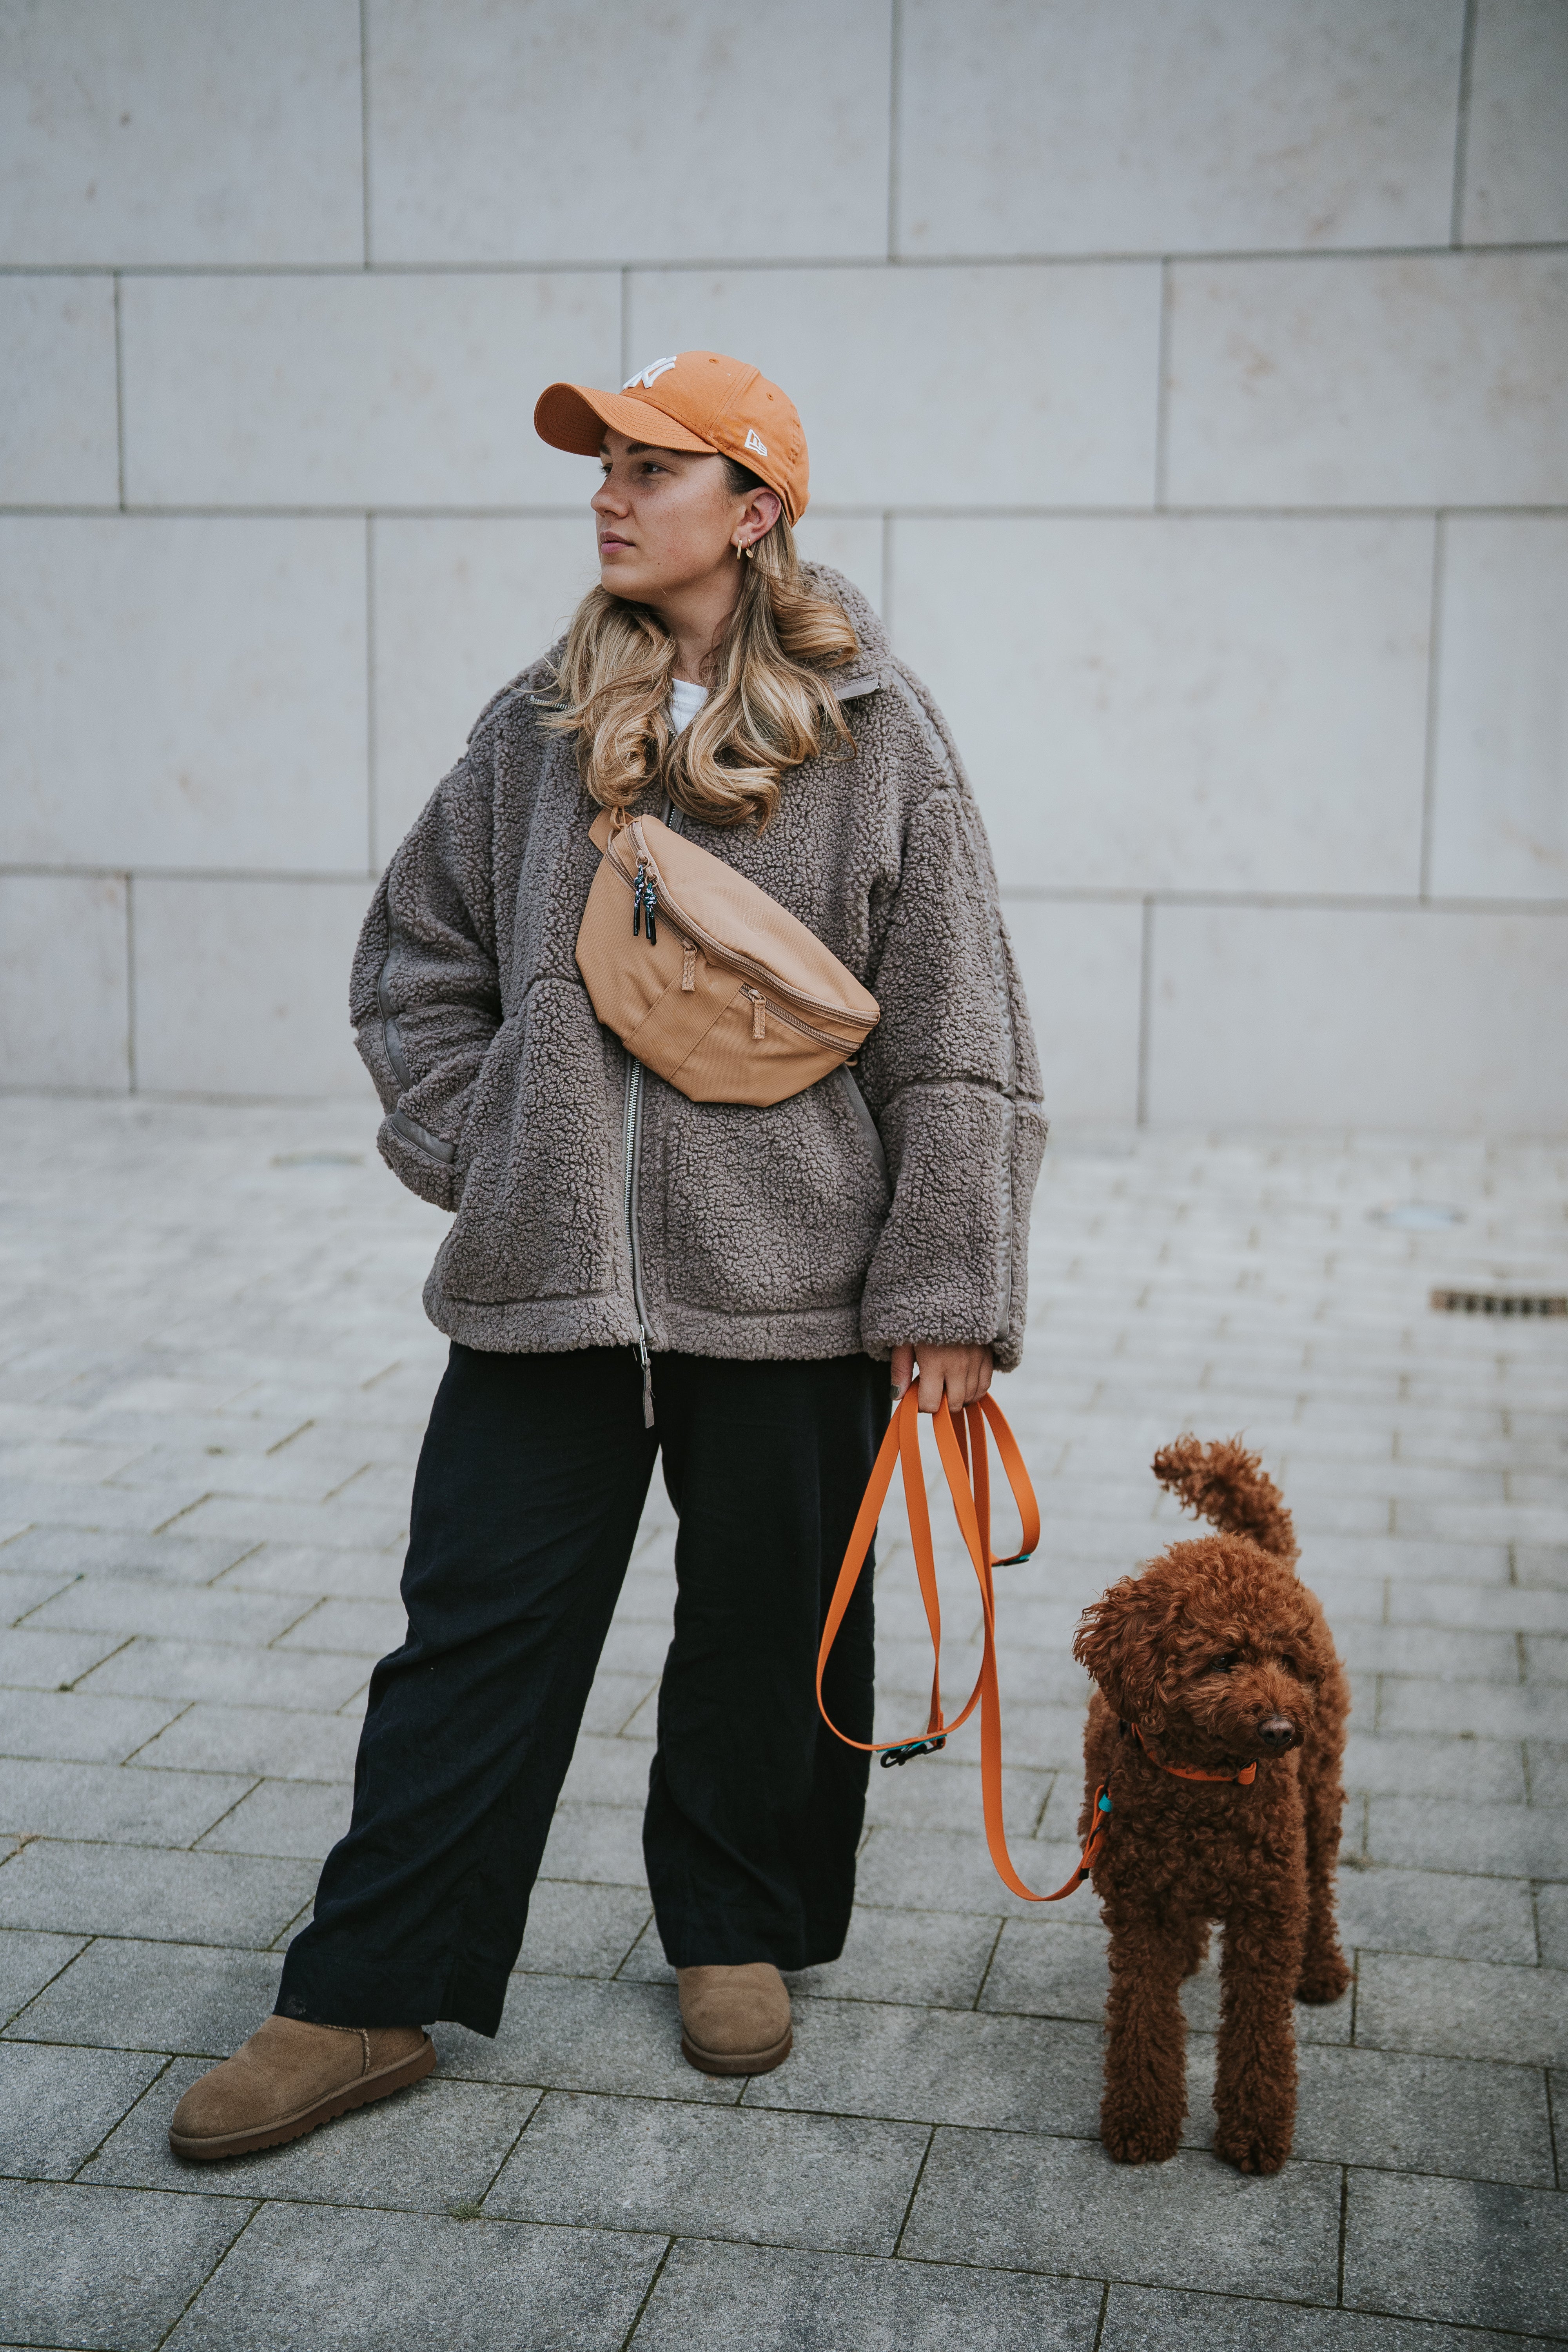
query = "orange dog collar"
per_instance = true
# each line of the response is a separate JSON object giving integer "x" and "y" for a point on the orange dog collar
{"x": 1245, "y": 1778}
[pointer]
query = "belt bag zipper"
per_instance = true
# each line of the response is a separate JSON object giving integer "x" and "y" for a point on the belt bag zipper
{"x": 728, "y": 960}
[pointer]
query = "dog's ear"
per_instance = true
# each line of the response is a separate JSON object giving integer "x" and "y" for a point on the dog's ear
{"x": 1115, "y": 1643}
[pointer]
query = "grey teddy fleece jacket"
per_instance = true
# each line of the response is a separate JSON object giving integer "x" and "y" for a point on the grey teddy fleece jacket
{"x": 799, "y": 1230}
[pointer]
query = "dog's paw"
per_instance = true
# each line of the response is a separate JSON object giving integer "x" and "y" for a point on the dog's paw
{"x": 1324, "y": 1979}
{"x": 1140, "y": 2138}
{"x": 1254, "y": 2149}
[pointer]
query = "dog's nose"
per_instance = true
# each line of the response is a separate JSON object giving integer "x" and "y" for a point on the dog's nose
{"x": 1277, "y": 1731}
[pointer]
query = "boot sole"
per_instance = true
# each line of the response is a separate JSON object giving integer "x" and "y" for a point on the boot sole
{"x": 737, "y": 2062}
{"x": 378, "y": 2086}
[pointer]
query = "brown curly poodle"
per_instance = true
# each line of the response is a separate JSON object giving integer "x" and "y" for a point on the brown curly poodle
{"x": 1218, "y": 1726}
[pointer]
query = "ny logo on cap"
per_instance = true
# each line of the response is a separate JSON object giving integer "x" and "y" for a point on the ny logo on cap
{"x": 648, "y": 376}
{"x": 753, "y": 440}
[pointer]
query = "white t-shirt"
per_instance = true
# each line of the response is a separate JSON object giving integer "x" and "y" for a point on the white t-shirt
{"x": 684, "y": 702}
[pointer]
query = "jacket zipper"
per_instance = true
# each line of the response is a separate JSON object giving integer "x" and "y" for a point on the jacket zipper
{"x": 731, "y": 961}
{"x": 632, "y": 1156}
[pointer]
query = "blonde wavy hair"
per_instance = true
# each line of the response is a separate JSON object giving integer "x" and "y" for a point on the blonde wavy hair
{"x": 770, "y": 705}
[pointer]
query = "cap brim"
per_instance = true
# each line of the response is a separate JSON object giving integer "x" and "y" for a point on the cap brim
{"x": 573, "y": 416}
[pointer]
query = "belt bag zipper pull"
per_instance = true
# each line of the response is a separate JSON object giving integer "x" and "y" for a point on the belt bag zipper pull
{"x": 759, "y": 1011}
{"x": 688, "y": 965}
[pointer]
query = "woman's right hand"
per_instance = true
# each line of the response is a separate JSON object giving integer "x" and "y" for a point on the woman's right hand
{"x": 962, "y": 1373}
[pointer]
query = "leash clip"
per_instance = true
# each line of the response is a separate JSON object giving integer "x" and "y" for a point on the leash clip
{"x": 910, "y": 1748}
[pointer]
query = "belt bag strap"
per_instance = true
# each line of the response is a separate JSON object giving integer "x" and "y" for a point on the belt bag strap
{"x": 962, "y": 1446}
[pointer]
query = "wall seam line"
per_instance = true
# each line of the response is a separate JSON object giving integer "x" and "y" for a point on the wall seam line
{"x": 1462, "y": 127}
{"x": 1145, "y": 1004}
{"x": 894, "y": 69}
{"x": 119, "y": 398}
{"x": 364, "y": 131}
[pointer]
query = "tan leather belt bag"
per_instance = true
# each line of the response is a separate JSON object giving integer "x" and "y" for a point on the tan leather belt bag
{"x": 708, "y": 981}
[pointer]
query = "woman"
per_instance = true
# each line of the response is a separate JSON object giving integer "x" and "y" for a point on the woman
{"x": 631, "y": 1274}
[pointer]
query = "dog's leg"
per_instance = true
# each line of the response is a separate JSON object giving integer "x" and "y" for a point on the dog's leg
{"x": 1324, "y": 1970}
{"x": 1195, "y": 1933}
{"x": 1254, "y": 2079}
{"x": 1145, "y": 2097}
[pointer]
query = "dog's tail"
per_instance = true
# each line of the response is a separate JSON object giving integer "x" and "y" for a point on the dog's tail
{"x": 1226, "y": 1485}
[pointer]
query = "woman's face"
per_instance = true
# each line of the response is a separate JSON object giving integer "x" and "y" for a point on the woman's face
{"x": 668, "y": 521}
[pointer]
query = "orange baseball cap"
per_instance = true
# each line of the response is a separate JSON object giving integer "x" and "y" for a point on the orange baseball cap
{"x": 699, "y": 401}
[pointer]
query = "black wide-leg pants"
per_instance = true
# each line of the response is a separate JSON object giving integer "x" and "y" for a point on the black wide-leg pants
{"x": 526, "y": 1504}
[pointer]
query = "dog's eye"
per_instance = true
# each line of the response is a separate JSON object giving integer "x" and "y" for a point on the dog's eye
{"x": 1223, "y": 1665}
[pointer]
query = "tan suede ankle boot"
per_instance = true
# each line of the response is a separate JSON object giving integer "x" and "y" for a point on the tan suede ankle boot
{"x": 735, "y": 2021}
{"x": 289, "y": 2077}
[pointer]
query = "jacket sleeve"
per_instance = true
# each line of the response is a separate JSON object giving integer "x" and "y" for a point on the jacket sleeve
{"x": 425, "y": 996}
{"x": 951, "y": 1075}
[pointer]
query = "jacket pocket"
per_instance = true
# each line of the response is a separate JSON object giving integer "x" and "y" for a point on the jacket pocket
{"x": 539, "y": 1205}
{"x": 772, "y": 1208}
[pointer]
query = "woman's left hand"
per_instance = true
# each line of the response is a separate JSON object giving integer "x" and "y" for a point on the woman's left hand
{"x": 965, "y": 1373}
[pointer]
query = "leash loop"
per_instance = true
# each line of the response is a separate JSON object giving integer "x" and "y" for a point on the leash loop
{"x": 962, "y": 1447}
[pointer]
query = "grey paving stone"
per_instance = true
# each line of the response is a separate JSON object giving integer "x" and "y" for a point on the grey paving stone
{"x": 1051, "y": 1966}
{"x": 614, "y": 1700}
{"x": 20, "y": 1594}
{"x": 567, "y": 2033}
{"x": 229, "y": 1673}
{"x": 919, "y": 2065}
{"x": 1551, "y": 1919}
{"x": 305, "y": 1818}
{"x": 714, "y": 2298}
{"x": 1157, "y": 2319}
{"x": 1458, "y": 2115}
{"x": 826, "y": 2181}
{"x": 56, "y": 2104}
{"x": 191, "y": 1898}
{"x": 1546, "y": 1658}
{"x": 581, "y": 1931}
{"x": 1490, "y": 1710}
{"x": 254, "y": 1519}
{"x": 935, "y": 1957}
{"x": 1547, "y": 1760}
{"x": 1466, "y": 2251}
{"x": 69, "y": 1725}
{"x": 280, "y": 1743}
{"x": 903, "y": 1796}
{"x": 608, "y": 1772}
{"x": 1463, "y": 2008}
{"x": 1542, "y": 1568}
{"x": 425, "y": 2149}
{"x": 309, "y": 2278}
{"x": 121, "y": 1604}
{"x": 43, "y": 1661}
{"x": 1421, "y": 1911}
{"x": 114, "y": 1801}
{"x": 27, "y": 1961}
{"x": 1443, "y": 1652}
{"x": 951, "y": 1871}
{"x": 1507, "y": 1608}
{"x": 1487, "y": 1840}
{"x": 365, "y": 1629}
{"x": 78, "y": 1503}
{"x": 1406, "y": 1558}
{"x": 1023, "y": 2202}
{"x": 1489, "y": 1771}
{"x": 314, "y": 1570}
{"x": 125, "y": 1995}
{"x": 599, "y": 1843}
{"x": 106, "y": 2269}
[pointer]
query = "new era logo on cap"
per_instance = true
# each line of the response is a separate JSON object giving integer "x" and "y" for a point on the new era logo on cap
{"x": 649, "y": 376}
{"x": 753, "y": 440}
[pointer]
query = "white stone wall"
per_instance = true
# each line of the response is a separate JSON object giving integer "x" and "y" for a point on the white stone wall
{"x": 1183, "y": 378}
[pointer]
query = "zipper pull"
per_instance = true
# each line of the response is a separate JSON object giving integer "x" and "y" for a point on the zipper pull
{"x": 649, "y": 901}
{"x": 647, "y": 1377}
{"x": 759, "y": 1011}
{"x": 637, "y": 896}
{"x": 688, "y": 965}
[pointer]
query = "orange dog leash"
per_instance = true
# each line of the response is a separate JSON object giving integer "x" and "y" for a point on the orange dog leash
{"x": 962, "y": 1447}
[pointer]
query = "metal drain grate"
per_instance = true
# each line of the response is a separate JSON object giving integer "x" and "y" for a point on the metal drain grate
{"x": 1498, "y": 1302}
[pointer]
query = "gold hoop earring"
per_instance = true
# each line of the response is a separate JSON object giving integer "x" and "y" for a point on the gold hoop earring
{"x": 743, "y": 548}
